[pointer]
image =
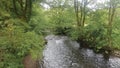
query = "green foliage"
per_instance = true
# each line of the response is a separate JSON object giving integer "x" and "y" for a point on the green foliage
{"x": 15, "y": 43}
{"x": 18, "y": 37}
{"x": 62, "y": 19}
{"x": 116, "y": 32}
{"x": 39, "y": 21}
{"x": 92, "y": 36}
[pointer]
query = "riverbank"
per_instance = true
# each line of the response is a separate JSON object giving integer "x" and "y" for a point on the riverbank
{"x": 116, "y": 53}
{"x": 29, "y": 62}
{"x": 106, "y": 51}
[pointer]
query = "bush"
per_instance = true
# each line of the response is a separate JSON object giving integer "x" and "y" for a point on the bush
{"x": 90, "y": 36}
{"x": 15, "y": 43}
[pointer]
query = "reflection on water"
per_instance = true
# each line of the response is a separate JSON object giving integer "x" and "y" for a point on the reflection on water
{"x": 61, "y": 52}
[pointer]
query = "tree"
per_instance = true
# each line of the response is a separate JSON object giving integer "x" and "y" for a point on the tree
{"x": 16, "y": 40}
{"x": 112, "y": 5}
{"x": 81, "y": 11}
{"x": 22, "y": 9}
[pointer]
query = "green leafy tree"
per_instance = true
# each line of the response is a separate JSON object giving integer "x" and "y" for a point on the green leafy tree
{"x": 17, "y": 38}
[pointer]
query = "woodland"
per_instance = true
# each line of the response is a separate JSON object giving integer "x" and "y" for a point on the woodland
{"x": 95, "y": 24}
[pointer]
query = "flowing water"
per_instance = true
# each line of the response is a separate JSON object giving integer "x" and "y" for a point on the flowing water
{"x": 61, "y": 52}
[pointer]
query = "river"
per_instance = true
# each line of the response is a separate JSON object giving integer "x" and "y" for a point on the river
{"x": 61, "y": 52}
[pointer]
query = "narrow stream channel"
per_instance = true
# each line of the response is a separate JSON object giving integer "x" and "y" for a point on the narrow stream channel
{"x": 61, "y": 52}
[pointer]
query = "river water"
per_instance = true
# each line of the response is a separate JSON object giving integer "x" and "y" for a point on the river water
{"x": 61, "y": 52}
